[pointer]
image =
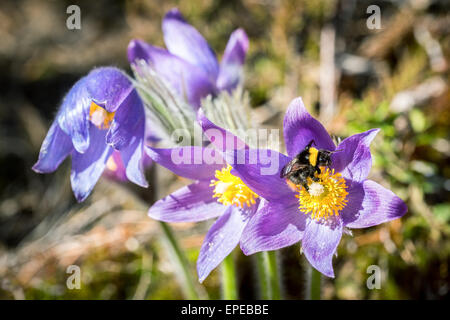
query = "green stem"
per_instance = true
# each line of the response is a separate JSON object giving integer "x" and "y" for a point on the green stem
{"x": 314, "y": 288}
{"x": 229, "y": 286}
{"x": 181, "y": 261}
{"x": 261, "y": 258}
{"x": 274, "y": 276}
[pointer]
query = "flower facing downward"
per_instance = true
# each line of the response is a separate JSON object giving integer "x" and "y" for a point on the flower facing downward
{"x": 189, "y": 64}
{"x": 336, "y": 197}
{"x": 101, "y": 124}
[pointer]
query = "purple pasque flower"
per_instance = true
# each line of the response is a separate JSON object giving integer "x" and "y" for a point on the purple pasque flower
{"x": 341, "y": 198}
{"x": 189, "y": 64}
{"x": 102, "y": 113}
{"x": 217, "y": 192}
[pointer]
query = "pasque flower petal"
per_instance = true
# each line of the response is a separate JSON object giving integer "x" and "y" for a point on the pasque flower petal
{"x": 221, "y": 239}
{"x": 184, "y": 41}
{"x": 186, "y": 79}
{"x": 73, "y": 114}
{"x": 276, "y": 225}
{"x": 56, "y": 147}
{"x": 128, "y": 123}
{"x": 222, "y": 139}
{"x": 300, "y": 128}
{"x": 375, "y": 205}
{"x": 108, "y": 87}
{"x": 230, "y": 73}
{"x": 190, "y": 162}
{"x": 189, "y": 204}
{"x": 88, "y": 167}
{"x": 260, "y": 169}
{"x": 133, "y": 157}
{"x": 353, "y": 158}
{"x": 127, "y": 133}
{"x": 319, "y": 244}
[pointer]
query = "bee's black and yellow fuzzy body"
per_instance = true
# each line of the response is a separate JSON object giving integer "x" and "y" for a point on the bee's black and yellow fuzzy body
{"x": 305, "y": 165}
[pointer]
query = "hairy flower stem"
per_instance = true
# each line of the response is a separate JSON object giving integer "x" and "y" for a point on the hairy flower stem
{"x": 274, "y": 275}
{"x": 185, "y": 274}
{"x": 229, "y": 285}
{"x": 263, "y": 276}
{"x": 313, "y": 285}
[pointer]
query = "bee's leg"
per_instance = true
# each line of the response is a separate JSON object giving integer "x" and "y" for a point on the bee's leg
{"x": 314, "y": 177}
{"x": 305, "y": 185}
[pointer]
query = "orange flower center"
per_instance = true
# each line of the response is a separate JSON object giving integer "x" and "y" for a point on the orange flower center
{"x": 100, "y": 117}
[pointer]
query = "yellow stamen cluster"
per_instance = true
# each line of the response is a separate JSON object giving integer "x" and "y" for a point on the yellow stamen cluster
{"x": 325, "y": 197}
{"x": 100, "y": 117}
{"x": 231, "y": 190}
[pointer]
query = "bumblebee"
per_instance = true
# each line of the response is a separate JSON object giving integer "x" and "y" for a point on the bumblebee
{"x": 305, "y": 165}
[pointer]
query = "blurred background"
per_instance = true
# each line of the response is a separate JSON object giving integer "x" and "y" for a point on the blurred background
{"x": 351, "y": 77}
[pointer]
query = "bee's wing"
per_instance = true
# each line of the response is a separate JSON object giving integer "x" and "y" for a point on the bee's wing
{"x": 291, "y": 167}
